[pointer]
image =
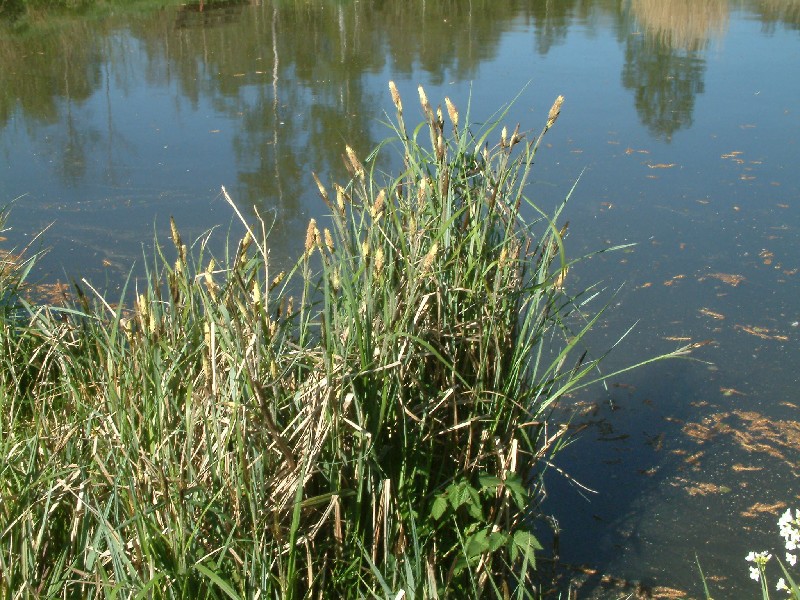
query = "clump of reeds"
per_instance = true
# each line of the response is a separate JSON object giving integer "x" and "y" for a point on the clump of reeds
{"x": 368, "y": 424}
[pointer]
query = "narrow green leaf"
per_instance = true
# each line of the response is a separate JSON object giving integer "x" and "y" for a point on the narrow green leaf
{"x": 217, "y": 580}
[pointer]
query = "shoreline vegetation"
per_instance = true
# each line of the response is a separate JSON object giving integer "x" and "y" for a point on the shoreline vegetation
{"x": 372, "y": 423}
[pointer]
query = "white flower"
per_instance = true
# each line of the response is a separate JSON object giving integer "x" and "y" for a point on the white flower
{"x": 755, "y": 574}
{"x": 781, "y": 585}
{"x": 791, "y": 559}
{"x": 751, "y": 557}
{"x": 790, "y": 529}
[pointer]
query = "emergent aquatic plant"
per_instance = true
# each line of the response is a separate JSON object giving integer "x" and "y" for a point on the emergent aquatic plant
{"x": 367, "y": 425}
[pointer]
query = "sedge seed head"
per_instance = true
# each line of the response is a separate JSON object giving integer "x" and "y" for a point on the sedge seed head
{"x": 555, "y": 110}
{"x": 340, "y": 196}
{"x": 210, "y": 285}
{"x": 452, "y": 112}
{"x": 141, "y": 305}
{"x": 430, "y": 257}
{"x": 309, "y": 245}
{"x": 422, "y": 191}
{"x": 176, "y": 237}
{"x": 395, "y": 96}
{"x": 317, "y": 238}
{"x": 322, "y": 191}
{"x": 277, "y": 280}
{"x": 423, "y": 100}
{"x": 379, "y": 258}
{"x": 358, "y": 168}
{"x": 377, "y": 206}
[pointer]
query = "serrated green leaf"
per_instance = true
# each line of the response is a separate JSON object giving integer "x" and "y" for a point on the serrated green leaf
{"x": 438, "y": 508}
{"x": 518, "y": 490}
{"x": 475, "y": 511}
{"x": 497, "y": 540}
{"x": 514, "y": 483}
{"x": 489, "y": 482}
{"x": 526, "y": 544}
{"x": 457, "y": 494}
{"x": 460, "y": 565}
{"x": 477, "y": 544}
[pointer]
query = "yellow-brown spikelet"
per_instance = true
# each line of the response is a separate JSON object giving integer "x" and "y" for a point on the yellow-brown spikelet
{"x": 328, "y": 240}
{"x": 452, "y": 112}
{"x": 555, "y": 110}
{"x": 208, "y": 277}
{"x": 146, "y": 317}
{"x": 127, "y": 328}
{"x": 558, "y": 283}
{"x": 427, "y": 263}
{"x": 277, "y": 280}
{"x": 336, "y": 280}
{"x": 256, "y": 293}
{"x": 412, "y": 226}
{"x": 341, "y": 195}
{"x": 365, "y": 248}
{"x": 426, "y": 106}
{"x": 422, "y": 191}
{"x": 176, "y": 237}
{"x": 317, "y": 239}
{"x": 207, "y": 353}
{"x": 281, "y": 310}
{"x": 322, "y": 191}
{"x": 244, "y": 246}
{"x": 309, "y": 246}
{"x": 515, "y": 137}
{"x": 379, "y": 258}
{"x": 501, "y": 262}
{"x": 440, "y": 147}
{"x": 395, "y": 96}
{"x": 504, "y": 138}
{"x": 377, "y": 207}
{"x": 142, "y": 311}
{"x": 358, "y": 168}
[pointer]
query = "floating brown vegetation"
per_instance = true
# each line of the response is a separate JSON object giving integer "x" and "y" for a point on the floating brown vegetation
{"x": 759, "y": 509}
{"x": 762, "y": 332}
{"x": 730, "y": 279}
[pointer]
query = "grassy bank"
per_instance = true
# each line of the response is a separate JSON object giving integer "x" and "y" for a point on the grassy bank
{"x": 373, "y": 423}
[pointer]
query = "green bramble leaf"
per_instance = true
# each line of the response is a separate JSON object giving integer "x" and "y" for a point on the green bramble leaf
{"x": 525, "y": 544}
{"x": 439, "y": 507}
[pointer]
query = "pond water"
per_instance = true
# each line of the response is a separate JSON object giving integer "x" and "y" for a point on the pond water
{"x": 681, "y": 119}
